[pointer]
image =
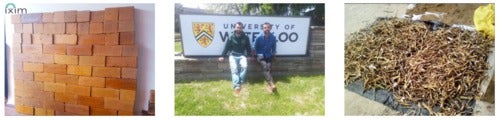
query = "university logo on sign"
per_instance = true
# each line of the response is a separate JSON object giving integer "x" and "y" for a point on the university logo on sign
{"x": 203, "y": 33}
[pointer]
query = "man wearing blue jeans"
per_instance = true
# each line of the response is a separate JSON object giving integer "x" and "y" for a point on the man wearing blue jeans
{"x": 265, "y": 47}
{"x": 237, "y": 47}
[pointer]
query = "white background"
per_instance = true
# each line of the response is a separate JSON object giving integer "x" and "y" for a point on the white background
{"x": 191, "y": 46}
{"x": 164, "y": 67}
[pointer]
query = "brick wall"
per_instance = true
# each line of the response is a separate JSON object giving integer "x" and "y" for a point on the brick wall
{"x": 210, "y": 68}
{"x": 75, "y": 62}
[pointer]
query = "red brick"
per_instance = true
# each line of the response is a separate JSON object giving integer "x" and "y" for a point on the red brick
{"x": 126, "y": 61}
{"x": 45, "y": 77}
{"x": 16, "y": 48}
{"x": 38, "y": 28}
{"x": 83, "y": 16}
{"x": 66, "y": 79}
{"x": 77, "y": 109}
{"x": 42, "y": 39}
{"x": 105, "y": 92}
{"x": 70, "y": 16}
{"x": 54, "y": 87}
{"x": 35, "y": 58}
{"x": 114, "y": 103}
{"x": 112, "y": 39}
{"x": 15, "y": 18}
{"x": 92, "y": 81}
{"x": 130, "y": 50}
{"x": 21, "y": 92}
{"x": 62, "y": 113}
{"x": 115, "y": 83}
{"x": 126, "y": 13}
{"x": 92, "y": 60}
{"x": 129, "y": 73}
{"x": 48, "y": 17}
{"x": 33, "y": 85}
{"x": 79, "y": 50}
{"x": 106, "y": 72}
{"x": 33, "y": 67}
{"x": 32, "y": 49}
{"x": 107, "y": 50}
{"x": 78, "y": 90}
{"x": 17, "y": 38}
{"x": 97, "y": 102}
{"x": 126, "y": 26}
{"x": 43, "y": 95}
{"x": 125, "y": 113}
{"x": 28, "y": 28}
{"x": 127, "y": 38}
{"x": 110, "y": 26}
{"x": 80, "y": 70}
{"x": 18, "y": 67}
{"x": 26, "y": 76}
{"x": 83, "y": 28}
{"x": 54, "y": 68}
{"x": 66, "y": 59}
{"x": 52, "y": 105}
{"x": 111, "y": 14}
{"x": 49, "y": 28}
{"x": 71, "y": 28}
{"x": 59, "y": 17}
{"x": 18, "y": 28}
{"x": 127, "y": 95}
{"x": 54, "y": 49}
{"x": 69, "y": 39}
{"x": 40, "y": 112}
{"x": 96, "y": 28}
{"x": 91, "y": 39}
{"x": 66, "y": 98}
{"x": 26, "y": 38}
{"x": 24, "y": 109}
{"x": 59, "y": 28}
{"x": 102, "y": 111}
{"x": 97, "y": 16}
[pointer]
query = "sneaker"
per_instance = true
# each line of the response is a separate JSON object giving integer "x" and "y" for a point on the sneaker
{"x": 237, "y": 92}
{"x": 269, "y": 89}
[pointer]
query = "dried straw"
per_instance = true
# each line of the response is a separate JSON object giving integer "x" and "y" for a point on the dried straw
{"x": 440, "y": 71}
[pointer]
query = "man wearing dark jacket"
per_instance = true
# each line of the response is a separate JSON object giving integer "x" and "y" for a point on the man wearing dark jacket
{"x": 237, "y": 47}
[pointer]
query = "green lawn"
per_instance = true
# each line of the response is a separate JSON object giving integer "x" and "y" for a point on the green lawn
{"x": 178, "y": 47}
{"x": 297, "y": 95}
{"x": 178, "y": 44}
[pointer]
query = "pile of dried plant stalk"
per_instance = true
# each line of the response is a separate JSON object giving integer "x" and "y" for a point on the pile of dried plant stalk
{"x": 440, "y": 71}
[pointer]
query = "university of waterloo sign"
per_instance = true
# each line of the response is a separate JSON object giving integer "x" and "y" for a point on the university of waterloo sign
{"x": 205, "y": 35}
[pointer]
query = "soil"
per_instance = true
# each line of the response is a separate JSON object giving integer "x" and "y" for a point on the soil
{"x": 454, "y": 13}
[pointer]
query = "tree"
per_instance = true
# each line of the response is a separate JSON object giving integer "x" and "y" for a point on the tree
{"x": 316, "y": 11}
{"x": 225, "y": 8}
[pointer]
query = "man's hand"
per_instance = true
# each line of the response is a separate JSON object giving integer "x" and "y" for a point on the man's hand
{"x": 221, "y": 59}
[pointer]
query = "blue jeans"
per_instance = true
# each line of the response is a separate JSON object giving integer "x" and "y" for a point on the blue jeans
{"x": 238, "y": 66}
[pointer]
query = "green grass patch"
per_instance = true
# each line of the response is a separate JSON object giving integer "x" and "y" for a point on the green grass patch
{"x": 178, "y": 47}
{"x": 296, "y": 95}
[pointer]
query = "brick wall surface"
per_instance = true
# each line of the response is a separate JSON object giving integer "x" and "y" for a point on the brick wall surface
{"x": 75, "y": 62}
{"x": 202, "y": 68}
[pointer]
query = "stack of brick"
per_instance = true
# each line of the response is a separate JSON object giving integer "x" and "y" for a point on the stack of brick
{"x": 75, "y": 62}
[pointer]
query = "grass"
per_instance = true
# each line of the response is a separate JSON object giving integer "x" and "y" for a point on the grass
{"x": 297, "y": 95}
{"x": 178, "y": 47}
{"x": 178, "y": 44}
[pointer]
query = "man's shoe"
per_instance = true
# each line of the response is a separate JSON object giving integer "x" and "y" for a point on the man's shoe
{"x": 237, "y": 92}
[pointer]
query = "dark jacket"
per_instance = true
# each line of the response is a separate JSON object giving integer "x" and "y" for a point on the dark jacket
{"x": 265, "y": 46}
{"x": 237, "y": 46}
